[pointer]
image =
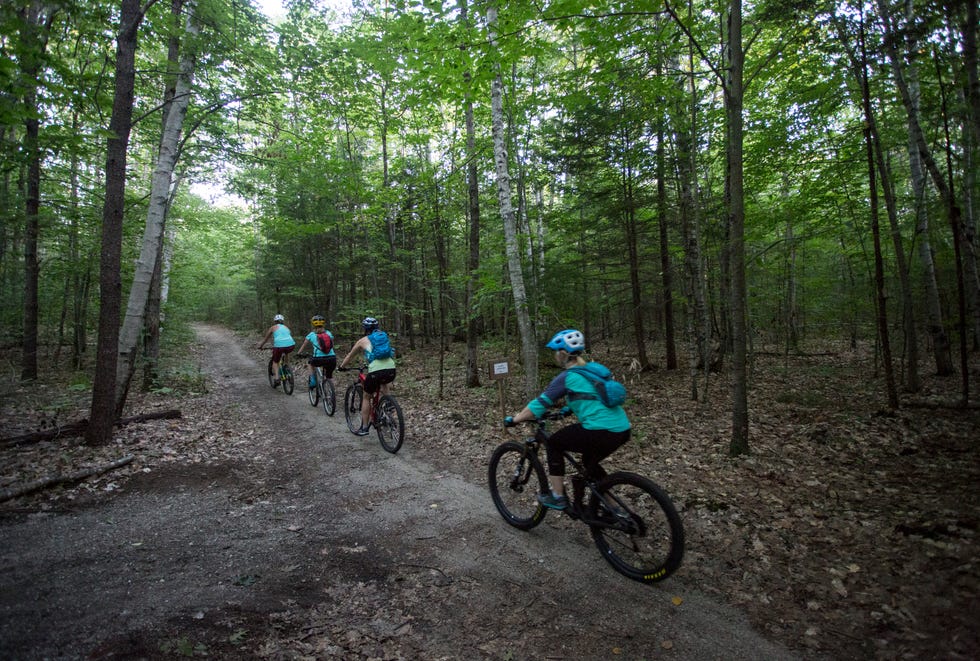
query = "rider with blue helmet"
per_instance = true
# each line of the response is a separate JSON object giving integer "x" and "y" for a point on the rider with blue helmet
{"x": 600, "y": 430}
{"x": 380, "y": 368}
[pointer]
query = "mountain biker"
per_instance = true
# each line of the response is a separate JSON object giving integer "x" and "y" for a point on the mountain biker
{"x": 601, "y": 430}
{"x": 282, "y": 343}
{"x": 327, "y": 361}
{"x": 381, "y": 372}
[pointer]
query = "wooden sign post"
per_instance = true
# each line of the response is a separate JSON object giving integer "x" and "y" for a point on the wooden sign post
{"x": 499, "y": 369}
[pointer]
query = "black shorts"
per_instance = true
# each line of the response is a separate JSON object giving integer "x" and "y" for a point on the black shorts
{"x": 328, "y": 363}
{"x": 375, "y": 380}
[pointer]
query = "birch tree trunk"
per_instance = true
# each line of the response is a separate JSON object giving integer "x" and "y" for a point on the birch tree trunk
{"x": 529, "y": 352}
{"x": 933, "y": 305}
{"x": 666, "y": 276}
{"x": 946, "y": 192}
{"x": 156, "y": 214}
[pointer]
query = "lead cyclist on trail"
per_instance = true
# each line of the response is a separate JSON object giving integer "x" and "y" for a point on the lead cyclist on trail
{"x": 282, "y": 343}
{"x": 381, "y": 372}
{"x": 601, "y": 430}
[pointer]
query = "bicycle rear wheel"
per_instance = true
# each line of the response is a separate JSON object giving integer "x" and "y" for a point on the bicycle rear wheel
{"x": 328, "y": 397}
{"x": 352, "y": 406}
{"x": 273, "y": 378}
{"x": 390, "y": 424}
{"x": 637, "y": 530}
{"x": 516, "y": 478}
{"x": 287, "y": 383}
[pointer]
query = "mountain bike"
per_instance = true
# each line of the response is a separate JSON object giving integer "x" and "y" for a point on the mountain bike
{"x": 386, "y": 414}
{"x": 285, "y": 375}
{"x": 632, "y": 520}
{"x": 321, "y": 389}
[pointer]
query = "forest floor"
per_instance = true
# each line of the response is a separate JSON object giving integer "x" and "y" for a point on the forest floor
{"x": 256, "y": 527}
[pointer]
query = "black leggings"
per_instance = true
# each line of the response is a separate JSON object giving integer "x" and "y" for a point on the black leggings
{"x": 595, "y": 445}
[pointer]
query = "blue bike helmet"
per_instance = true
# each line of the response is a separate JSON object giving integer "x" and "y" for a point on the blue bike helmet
{"x": 370, "y": 324}
{"x": 569, "y": 340}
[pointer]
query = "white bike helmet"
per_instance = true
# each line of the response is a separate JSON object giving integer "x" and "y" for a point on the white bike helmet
{"x": 278, "y": 319}
{"x": 569, "y": 340}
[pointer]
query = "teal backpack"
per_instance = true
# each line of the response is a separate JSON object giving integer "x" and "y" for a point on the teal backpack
{"x": 611, "y": 393}
{"x": 380, "y": 345}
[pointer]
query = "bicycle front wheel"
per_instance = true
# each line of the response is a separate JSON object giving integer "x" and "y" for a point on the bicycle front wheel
{"x": 352, "y": 406}
{"x": 287, "y": 383}
{"x": 390, "y": 424}
{"x": 516, "y": 478}
{"x": 273, "y": 379}
{"x": 637, "y": 528}
{"x": 314, "y": 394}
{"x": 328, "y": 398}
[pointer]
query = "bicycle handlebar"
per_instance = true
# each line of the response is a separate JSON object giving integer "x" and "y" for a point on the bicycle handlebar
{"x": 564, "y": 412}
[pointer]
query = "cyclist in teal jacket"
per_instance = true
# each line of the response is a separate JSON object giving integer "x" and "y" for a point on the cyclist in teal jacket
{"x": 381, "y": 372}
{"x": 326, "y": 361}
{"x": 282, "y": 342}
{"x": 600, "y": 431}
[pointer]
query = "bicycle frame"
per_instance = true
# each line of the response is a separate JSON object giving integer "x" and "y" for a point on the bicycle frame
{"x": 622, "y": 519}
{"x": 375, "y": 396}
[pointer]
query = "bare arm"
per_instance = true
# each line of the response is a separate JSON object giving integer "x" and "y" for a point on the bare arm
{"x": 265, "y": 339}
{"x": 358, "y": 346}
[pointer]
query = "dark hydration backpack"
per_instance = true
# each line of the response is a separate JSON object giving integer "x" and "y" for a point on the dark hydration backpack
{"x": 380, "y": 345}
{"x": 611, "y": 393}
{"x": 325, "y": 342}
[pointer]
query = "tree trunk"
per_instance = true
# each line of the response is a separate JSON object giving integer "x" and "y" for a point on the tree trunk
{"x": 881, "y": 304}
{"x": 528, "y": 349}
{"x": 473, "y": 218}
{"x": 697, "y": 315}
{"x": 945, "y": 189}
{"x": 666, "y": 277}
{"x": 156, "y": 215}
{"x": 933, "y": 305}
{"x": 103, "y": 415}
{"x": 34, "y": 35}
{"x": 633, "y": 252}
{"x": 736, "y": 213}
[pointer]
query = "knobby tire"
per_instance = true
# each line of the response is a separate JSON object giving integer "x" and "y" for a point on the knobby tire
{"x": 352, "y": 406}
{"x": 516, "y": 477}
{"x": 645, "y": 539}
{"x": 389, "y": 423}
{"x": 328, "y": 397}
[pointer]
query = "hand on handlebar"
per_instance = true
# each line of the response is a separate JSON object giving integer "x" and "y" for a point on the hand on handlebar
{"x": 509, "y": 421}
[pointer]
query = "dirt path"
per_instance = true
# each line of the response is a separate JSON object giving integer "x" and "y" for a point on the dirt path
{"x": 318, "y": 543}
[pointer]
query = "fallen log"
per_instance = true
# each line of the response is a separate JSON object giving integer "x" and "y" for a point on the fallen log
{"x": 37, "y": 485}
{"x": 78, "y": 428}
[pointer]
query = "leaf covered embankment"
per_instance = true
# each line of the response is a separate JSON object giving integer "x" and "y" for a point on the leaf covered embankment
{"x": 847, "y": 531}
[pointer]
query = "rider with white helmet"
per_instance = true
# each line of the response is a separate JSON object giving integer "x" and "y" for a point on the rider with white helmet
{"x": 282, "y": 342}
{"x": 600, "y": 430}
